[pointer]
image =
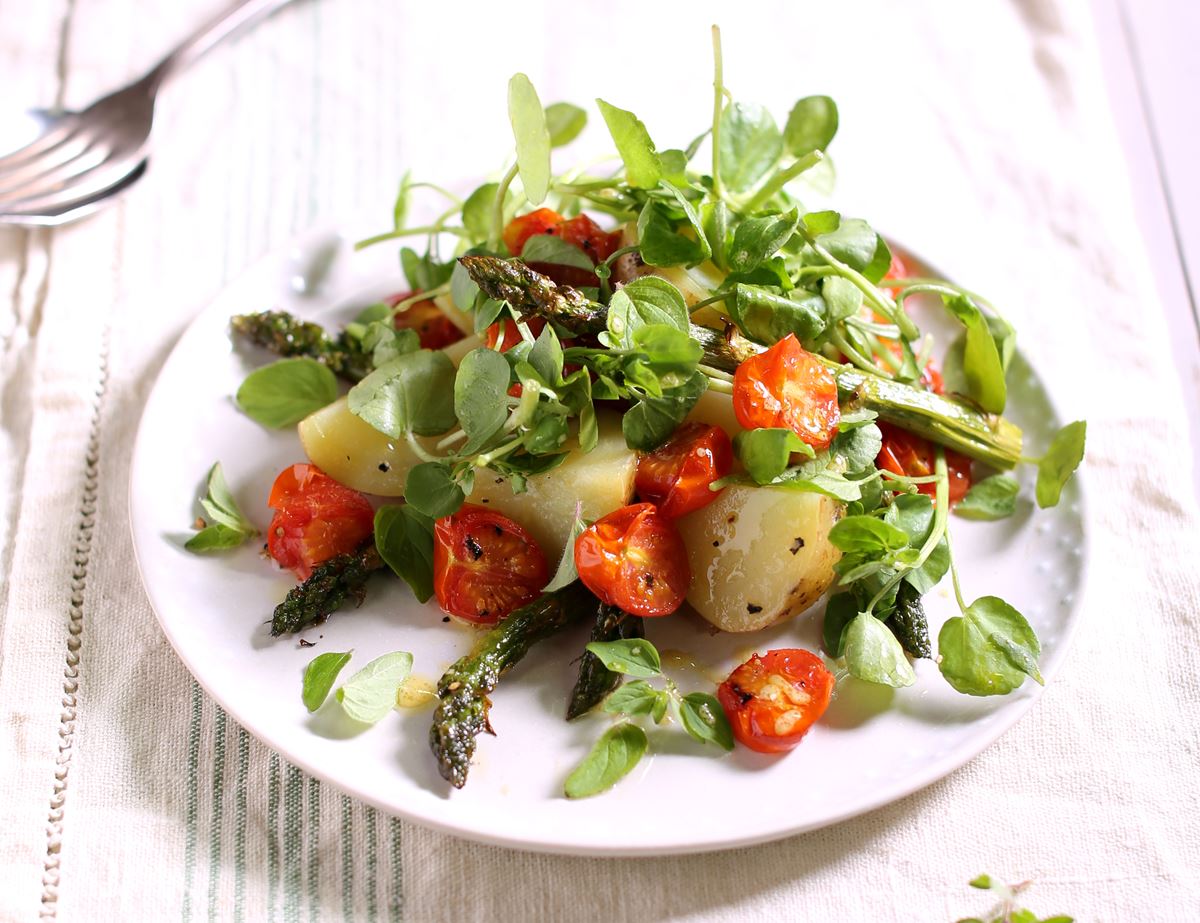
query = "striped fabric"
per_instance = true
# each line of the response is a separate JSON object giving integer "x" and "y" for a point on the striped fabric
{"x": 978, "y": 132}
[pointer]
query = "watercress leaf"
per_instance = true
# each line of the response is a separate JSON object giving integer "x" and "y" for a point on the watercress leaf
{"x": 992, "y": 498}
{"x": 705, "y": 720}
{"x": 652, "y": 420}
{"x": 404, "y": 539}
{"x": 372, "y": 313}
{"x": 385, "y": 342}
{"x": 286, "y": 391}
{"x": 873, "y": 653}
{"x": 216, "y": 537}
{"x": 564, "y": 121}
{"x": 750, "y": 144}
{"x": 1060, "y": 461}
{"x": 662, "y": 701}
{"x": 424, "y": 272}
{"x": 767, "y": 316}
{"x": 477, "y": 210}
{"x": 930, "y": 574}
{"x": 756, "y": 240}
{"x": 430, "y": 488}
{"x": 631, "y": 656}
{"x": 532, "y": 136}
{"x": 823, "y": 222}
{"x": 220, "y": 503}
{"x": 611, "y": 759}
{"x": 854, "y": 242}
{"x": 549, "y": 434}
{"x": 480, "y": 388}
{"x": 843, "y": 297}
{"x": 913, "y": 515}
{"x": 857, "y": 447}
{"x": 866, "y": 534}
{"x": 371, "y": 692}
{"x": 643, "y": 169}
{"x": 830, "y": 482}
{"x": 661, "y": 245}
{"x": 989, "y": 649}
{"x": 644, "y": 301}
{"x": 840, "y": 611}
{"x": 566, "y": 573}
{"x": 546, "y": 356}
{"x": 765, "y": 453}
{"x": 674, "y": 166}
{"x": 412, "y": 393}
{"x": 319, "y": 677}
{"x": 547, "y": 248}
{"x": 714, "y": 218}
{"x": 463, "y": 291}
{"x": 981, "y": 364}
{"x": 853, "y": 419}
{"x": 811, "y": 125}
{"x": 982, "y": 882}
{"x": 400, "y": 206}
{"x": 633, "y": 698}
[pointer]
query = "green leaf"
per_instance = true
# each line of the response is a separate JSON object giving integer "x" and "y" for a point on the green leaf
{"x": 1060, "y": 461}
{"x": 756, "y": 240}
{"x": 982, "y": 882}
{"x": 843, "y": 297}
{"x": 704, "y": 718}
{"x": 913, "y": 515}
{"x": 566, "y": 573}
{"x": 227, "y": 527}
{"x": 643, "y": 169}
{"x": 767, "y": 317}
{"x": 866, "y": 534}
{"x": 989, "y": 649}
{"x": 652, "y": 420}
{"x": 635, "y": 698}
{"x": 319, "y": 677}
{"x": 424, "y": 272}
{"x": 981, "y": 367}
{"x": 547, "y": 248}
{"x": 532, "y": 136}
{"x": 766, "y": 453}
{"x": 404, "y": 539}
{"x": 546, "y": 356}
{"x": 371, "y": 692}
{"x": 930, "y": 574}
{"x": 661, "y": 245}
{"x": 216, "y": 538}
{"x": 661, "y": 702}
{"x": 480, "y": 390}
{"x": 616, "y": 753}
{"x": 431, "y": 489}
{"x": 853, "y": 241}
{"x": 286, "y": 391}
{"x": 631, "y": 656}
{"x": 811, "y": 125}
{"x": 644, "y": 301}
{"x": 478, "y": 209}
{"x": 564, "y": 121}
{"x": 400, "y": 206}
{"x": 840, "y": 611}
{"x": 412, "y": 393}
{"x": 750, "y": 145}
{"x": 857, "y": 447}
{"x": 990, "y": 499}
{"x": 873, "y": 653}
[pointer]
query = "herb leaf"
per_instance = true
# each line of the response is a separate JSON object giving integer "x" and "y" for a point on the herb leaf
{"x": 611, "y": 758}
{"x": 1059, "y": 463}
{"x": 643, "y": 169}
{"x": 564, "y": 121}
{"x": 635, "y": 698}
{"x": 765, "y": 453}
{"x": 989, "y": 649}
{"x": 661, "y": 245}
{"x": 981, "y": 363}
{"x": 546, "y": 248}
{"x": 432, "y": 489}
{"x": 645, "y": 301}
{"x": 286, "y": 391}
{"x": 566, "y": 572}
{"x": 631, "y": 656}
{"x": 750, "y": 144}
{"x": 216, "y": 538}
{"x": 704, "y": 718}
{"x": 992, "y": 498}
{"x": 756, "y": 240}
{"x": 811, "y": 125}
{"x": 767, "y": 316}
{"x": 404, "y": 539}
{"x": 480, "y": 390}
{"x": 873, "y": 653}
{"x": 412, "y": 393}
{"x": 228, "y": 527}
{"x": 532, "y": 136}
{"x": 371, "y": 692}
{"x": 652, "y": 420}
{"x": 867, "y": 535}
{"x": 319, "y": 677}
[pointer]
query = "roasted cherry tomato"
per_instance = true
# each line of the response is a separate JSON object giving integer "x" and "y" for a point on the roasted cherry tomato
{"x": 582, "y": 232}
{"x": 675, "y": 476}
{"x": 772, "y": 700}
{"x": 523, "y": 227}
{"x": 633, "y": 558}
{"x": 512, "y": 336}
{"x": 316, "y": 518}
{"x": 435, "y": 329}
{"x": 787, "y": 388}
{"x": 896, "y": 270}
{"x": 913, "y": 456}
{"x": 485, "y": 565}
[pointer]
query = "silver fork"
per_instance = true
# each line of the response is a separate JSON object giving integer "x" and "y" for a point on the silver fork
{"x": 81, "y": 160}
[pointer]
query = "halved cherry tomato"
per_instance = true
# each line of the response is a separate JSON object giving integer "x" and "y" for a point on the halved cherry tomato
{"x": 523, "y": 227}
{"x": 896, "y": 269}
{"x": 512, "y": 336}
{"x": 316, "y": 519}
{"x": 786, "y": 387}
{"x": 675, "y": 476}
{"x": 582, "y": 232}
{"x": 772, "y": 700}
{"x": 913, "y": 456}
{"x": 485, "y": 565}
{"x": 435, "y": 329}
{"x": 634, "y": 558}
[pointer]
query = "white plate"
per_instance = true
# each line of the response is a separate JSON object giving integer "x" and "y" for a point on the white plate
{"x": 873, "y": 746}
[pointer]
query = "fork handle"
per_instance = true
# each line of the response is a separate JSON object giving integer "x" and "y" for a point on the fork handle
{"x": 232, "y": 19}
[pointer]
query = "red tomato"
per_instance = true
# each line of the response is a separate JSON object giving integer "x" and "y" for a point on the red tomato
{"x": 913, "y": 456}
{"x": 786, "y": 387}
{"x": 633, "y": 558}
{"x": 435, "y": 329}
{"x": 897, "y": 269}
{"x": 485, "y": 565}
{"x": 772, "y": 700}
{"x": 582, "y": 232}
{"x": 675, "y": 476}
{"x": 523, "y": 227}
{"x": 316, "y": 519}
{"x": 512, "y": 336}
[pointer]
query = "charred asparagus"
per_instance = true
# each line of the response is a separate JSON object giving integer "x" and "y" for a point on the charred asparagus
{"x": 286, "y": 335}
{"x": 595, "y": 679}
{"x": 327, "y": 588}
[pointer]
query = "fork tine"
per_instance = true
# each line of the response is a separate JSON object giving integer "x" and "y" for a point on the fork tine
{"x": 40, "y": 145}
{"x": 78, "y": 188}
{"x": 42, "y": 174}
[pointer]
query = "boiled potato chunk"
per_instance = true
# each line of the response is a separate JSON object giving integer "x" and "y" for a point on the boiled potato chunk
{"x": 356, "y": 454}
{"x": 759, "y": 555}
{"x": 602, "y": 480}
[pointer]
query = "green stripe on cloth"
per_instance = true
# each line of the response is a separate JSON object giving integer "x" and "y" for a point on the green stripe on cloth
{"x": 347, "y": 859}
{"x": 239, "y": 833}
{"x": 312, "y": 841}
{"x": 396, "y": 904}
{"x": 273, "y": 836}
{"x": 193, "y": 789}
{"x": 293, "y": 819}
{"x": 218, "y": 813}
{"x": 372, "y": 866}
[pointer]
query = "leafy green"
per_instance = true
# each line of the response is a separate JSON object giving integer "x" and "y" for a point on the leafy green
{"x": 371, "y": 692}
{"x": 477, "y": 211}
{"x": 611, "y": 758}
{"x": 652, "y": 420}
{"x": 480, "y": 391}
{"x": 432, "y": 489}
{"x": 227, "y": 527}
{"x": 532, "y": 136}
{"x": 566, "y": 572}
{"x": 661, "y": 245}
{"x": 632, "y": 699}
{"x": 400, "y": 206}
{"x": 631, "y": 656}
{"x": 981, "y": 367}
{"x": 750, "y": 144}
{"x": 840, "y": 611}
{"x": 765, "y": 453}
{"x": 546, "y": 248}
{"x": 767, "y": 316}
{"x": 989, "y": 649}
{"x": 414, "y": 393}
{"x": 811, "y": 125}
{"x": 564, "y": 121}
{"x": 992, "y": 498}
{"x": 286, "y": 391}
{"x": 649, "y": 300}
{"x": 643, "y": 169}
{"x": 319, "y": 677}
{"x": 873, "y": 653}
{"x": 866, "y": 534}
{"x": 1059, "y": 463}
{"x": 705, "y": 720}
{"x": 756, "y": 240}
{"x": 404, "y": 539}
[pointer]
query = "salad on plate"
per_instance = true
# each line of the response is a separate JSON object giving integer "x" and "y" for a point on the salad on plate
{"x": 654, "y": 386}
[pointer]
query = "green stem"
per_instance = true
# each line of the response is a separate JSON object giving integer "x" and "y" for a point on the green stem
{"x": 409, "y": 232}
{"x": 782, "y": 178}
{"x": 718, "y": 106}
{"x": 418, "y": 449}
{"x": 498, "y": 208}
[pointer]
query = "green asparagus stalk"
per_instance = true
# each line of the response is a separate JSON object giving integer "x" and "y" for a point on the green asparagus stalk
{"x": 534, "y": 295}
{"x": 327, "y": 588}
{"x": 286, "y": 335}
{"x": 908, "y": 622}
{"x": 462, "y": 712}
{"x": 595, "y": 679}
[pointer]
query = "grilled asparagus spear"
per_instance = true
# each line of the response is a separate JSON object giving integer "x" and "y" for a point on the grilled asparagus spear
{"x": 286, "y": 335}
{"x": 987, "y": 437}
{"x": 329, "y": 585}
{"x": 908, "y": 622}
{"x": 595, "y": 679}
{"x": 462, "y": 712}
